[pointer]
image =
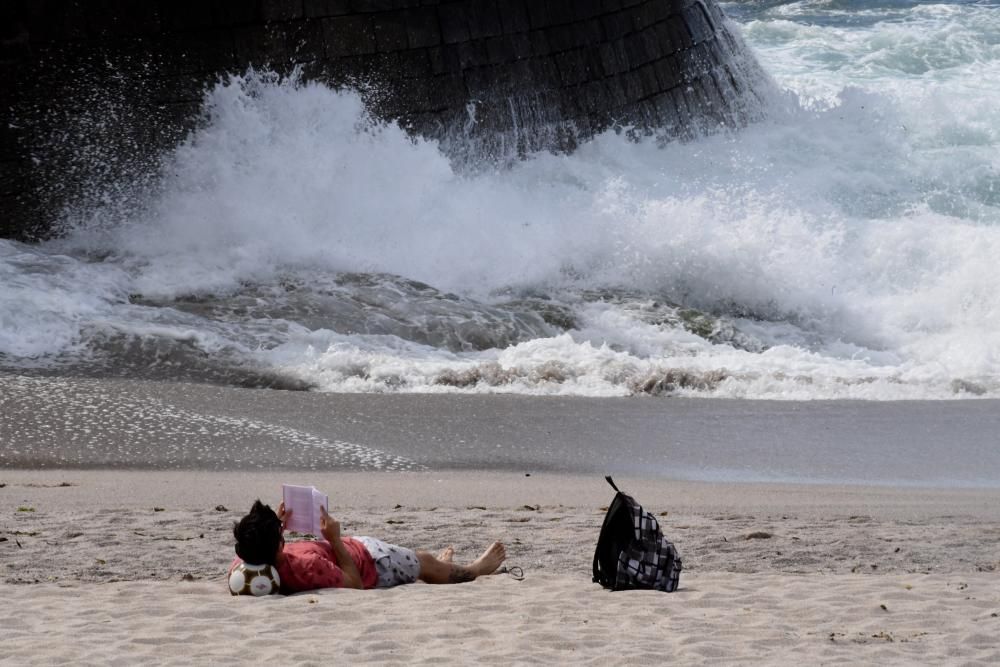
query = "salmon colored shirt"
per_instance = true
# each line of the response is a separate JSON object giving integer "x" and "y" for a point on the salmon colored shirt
{"x": 310, "y": 565}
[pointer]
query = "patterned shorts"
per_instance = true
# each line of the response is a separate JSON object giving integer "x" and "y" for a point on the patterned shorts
{"x": 394, "y": 565}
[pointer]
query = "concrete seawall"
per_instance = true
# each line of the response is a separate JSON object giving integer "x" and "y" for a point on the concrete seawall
{"x": 95, "y": 91}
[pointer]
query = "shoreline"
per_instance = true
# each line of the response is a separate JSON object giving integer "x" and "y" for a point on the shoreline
{"x": 56, "y": 423}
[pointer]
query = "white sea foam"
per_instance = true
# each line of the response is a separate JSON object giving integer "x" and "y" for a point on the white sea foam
{"x": 853, "y": 233}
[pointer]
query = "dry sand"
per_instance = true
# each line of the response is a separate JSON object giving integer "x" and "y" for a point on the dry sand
{"x": 125, "y": 567}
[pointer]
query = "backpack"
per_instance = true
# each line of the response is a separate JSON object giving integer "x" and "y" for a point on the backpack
{"x": 632, "y": 552}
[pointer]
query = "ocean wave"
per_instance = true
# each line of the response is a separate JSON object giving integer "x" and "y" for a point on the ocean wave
{"x": 844, "y": 247}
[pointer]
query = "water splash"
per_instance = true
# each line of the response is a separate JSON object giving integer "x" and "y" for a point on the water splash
{"x": 848, "y": 240}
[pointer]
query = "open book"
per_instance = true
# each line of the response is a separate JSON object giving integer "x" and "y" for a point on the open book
{"x": 304, "y": 501}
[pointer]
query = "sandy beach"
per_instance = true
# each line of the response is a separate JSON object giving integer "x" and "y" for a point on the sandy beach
{"x": 118, "y": 567}
{"x": 454, "y": 262}
{"x": 118, "y": 499}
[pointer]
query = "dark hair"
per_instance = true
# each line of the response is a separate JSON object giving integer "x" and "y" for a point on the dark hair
{"x": 258, "y": 535}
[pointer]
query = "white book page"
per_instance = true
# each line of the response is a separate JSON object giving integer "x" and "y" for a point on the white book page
{"x": 304, "y": 502}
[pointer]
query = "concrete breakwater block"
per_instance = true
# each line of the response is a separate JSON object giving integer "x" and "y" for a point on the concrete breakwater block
{"x": 491, "y": 79}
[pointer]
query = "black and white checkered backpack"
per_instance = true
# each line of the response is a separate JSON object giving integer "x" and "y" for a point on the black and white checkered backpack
{"x": 632, "y": 552}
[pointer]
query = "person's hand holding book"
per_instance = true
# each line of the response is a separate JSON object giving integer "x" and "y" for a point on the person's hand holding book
{"x": 329, "y": 526}
{"x": 284, "y": 515}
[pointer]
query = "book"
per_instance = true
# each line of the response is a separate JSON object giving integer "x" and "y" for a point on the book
{"x": 304, "y": 502}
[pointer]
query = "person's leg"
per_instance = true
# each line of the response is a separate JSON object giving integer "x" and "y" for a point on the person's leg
{"x": 443, "y": 571}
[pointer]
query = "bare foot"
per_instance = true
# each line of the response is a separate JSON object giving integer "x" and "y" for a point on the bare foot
{"x": 447, "y": 554}
{"x": 490, "y": 560}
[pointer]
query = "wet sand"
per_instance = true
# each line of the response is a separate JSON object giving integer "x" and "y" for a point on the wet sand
{"x": 86, "y": 423}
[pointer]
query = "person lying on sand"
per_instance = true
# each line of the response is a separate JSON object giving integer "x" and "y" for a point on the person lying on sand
{"x": 346, "y": 562}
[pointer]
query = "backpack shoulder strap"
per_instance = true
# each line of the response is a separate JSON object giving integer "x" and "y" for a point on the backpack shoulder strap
{"x": 597, "y": 552}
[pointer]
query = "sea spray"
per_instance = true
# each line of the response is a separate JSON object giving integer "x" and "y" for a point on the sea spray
{"x": 846, "y": 243}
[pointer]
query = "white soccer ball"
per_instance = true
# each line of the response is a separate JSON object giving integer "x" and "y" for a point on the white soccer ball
{"x": 247, "y": 579}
